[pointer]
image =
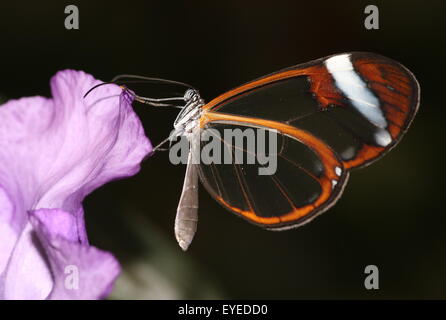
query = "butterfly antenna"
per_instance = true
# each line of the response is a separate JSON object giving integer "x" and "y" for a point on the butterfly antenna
{"x": 102, "y": 84}
{"x": 155, "y": 102}
{"x": 154, "y": 80}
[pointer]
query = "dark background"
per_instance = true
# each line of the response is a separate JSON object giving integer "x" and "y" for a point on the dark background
{"x": 391, "y": 214}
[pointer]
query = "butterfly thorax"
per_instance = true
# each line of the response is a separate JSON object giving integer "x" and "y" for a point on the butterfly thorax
{"x": 188, "y": 117}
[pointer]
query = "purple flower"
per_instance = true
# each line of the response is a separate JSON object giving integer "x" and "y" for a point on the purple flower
{"x": 54, "y": 152}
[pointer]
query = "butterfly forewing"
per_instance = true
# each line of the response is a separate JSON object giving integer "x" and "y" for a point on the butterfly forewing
{"x": 366, "y": 99}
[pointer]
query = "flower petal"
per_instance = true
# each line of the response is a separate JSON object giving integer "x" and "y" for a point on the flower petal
{"x": 79, "y": 271}
{"x": 9, "y": 232}
{"x": 27, "y": 276}
{"x": 54, "y": 152}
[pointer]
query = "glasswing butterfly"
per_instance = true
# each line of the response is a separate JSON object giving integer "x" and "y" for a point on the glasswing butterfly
{"x": 332, "y": 115}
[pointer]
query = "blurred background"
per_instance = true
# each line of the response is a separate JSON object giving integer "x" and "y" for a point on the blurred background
{"x": 392, "y": 214}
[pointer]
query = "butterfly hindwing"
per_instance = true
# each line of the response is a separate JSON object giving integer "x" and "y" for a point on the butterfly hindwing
{"x": 304, "y": 179}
